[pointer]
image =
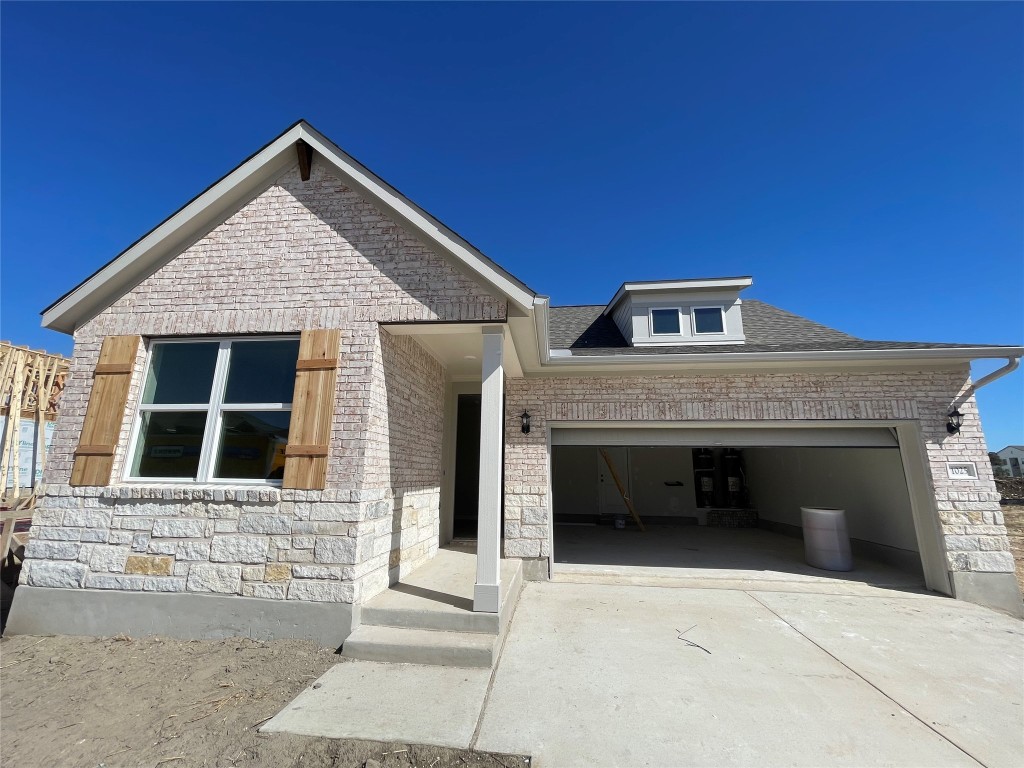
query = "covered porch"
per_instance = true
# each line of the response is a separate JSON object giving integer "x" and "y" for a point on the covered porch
{"x": 476, "y": 358}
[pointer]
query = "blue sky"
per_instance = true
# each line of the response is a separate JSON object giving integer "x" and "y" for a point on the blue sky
{"x": 864, "y": 162}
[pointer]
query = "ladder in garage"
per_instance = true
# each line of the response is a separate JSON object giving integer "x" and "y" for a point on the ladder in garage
{"x": 622, "y": 489}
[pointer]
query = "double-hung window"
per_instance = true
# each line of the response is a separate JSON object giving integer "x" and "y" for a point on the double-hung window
{"x": 215, "y": 410}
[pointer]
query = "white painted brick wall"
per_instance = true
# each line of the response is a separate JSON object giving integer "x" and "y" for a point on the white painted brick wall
{"x": 313, "y": 255}
{"x": 968, "y": 509}
{"x": 301, "y": 255}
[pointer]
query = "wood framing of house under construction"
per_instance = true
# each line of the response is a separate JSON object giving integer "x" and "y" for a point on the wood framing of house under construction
{"x": 31, "y": 382}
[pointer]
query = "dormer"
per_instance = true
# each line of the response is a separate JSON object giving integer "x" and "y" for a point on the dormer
{"x": 669, "y": 313}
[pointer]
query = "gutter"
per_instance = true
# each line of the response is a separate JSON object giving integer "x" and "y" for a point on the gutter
{"x": 945, "y": 353}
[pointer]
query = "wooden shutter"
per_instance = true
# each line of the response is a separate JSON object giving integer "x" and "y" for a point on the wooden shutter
{"x": 316, "y": 374}
{"x": 94, "y": 457}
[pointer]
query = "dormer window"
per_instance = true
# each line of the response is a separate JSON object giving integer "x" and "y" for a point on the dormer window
{"x": 708, "y": 320}
{"x": 680, "y": 313}
{"x": 665, "y": 322}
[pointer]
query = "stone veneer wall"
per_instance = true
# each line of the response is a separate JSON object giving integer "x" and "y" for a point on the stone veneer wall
{"x": 969, "y": 513}
{"x": 301, "y": 255}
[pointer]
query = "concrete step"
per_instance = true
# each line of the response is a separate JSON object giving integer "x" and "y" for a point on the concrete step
{"x": 421, "y": 646}
{"x": 439, "y": 596}
{"x": 427, "y": 618}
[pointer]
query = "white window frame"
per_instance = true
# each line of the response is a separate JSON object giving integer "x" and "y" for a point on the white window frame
{"x": 679, "y": 319}
{"x": 721, "y": 311}
{"x": 214, "y": 410}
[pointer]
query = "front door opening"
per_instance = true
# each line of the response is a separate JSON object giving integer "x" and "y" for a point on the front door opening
{"x": 467, "y": 468}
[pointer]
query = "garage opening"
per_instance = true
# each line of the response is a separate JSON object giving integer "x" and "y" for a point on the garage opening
{"x": 727, "y": 504}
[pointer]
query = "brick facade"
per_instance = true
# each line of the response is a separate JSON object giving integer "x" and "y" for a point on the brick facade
{"x": 300, "y": 255}
{"x": 307, "y": 255}
{"x": 971, "y": 521}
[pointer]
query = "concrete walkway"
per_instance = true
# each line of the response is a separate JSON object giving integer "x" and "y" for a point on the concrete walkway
{"x": 597, "y": 675}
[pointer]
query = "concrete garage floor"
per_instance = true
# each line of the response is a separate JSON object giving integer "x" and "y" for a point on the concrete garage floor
{"x": 597, "y": 675}
{"x": 738, "y": 556}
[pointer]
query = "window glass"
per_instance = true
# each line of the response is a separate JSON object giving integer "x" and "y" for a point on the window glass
{"x": 181, "y": 373}
{"x": 215, "y": 410}
{"x": 262, "y": 371}
{"x": 169, "y": 444}
{"x": 664, "y": 321}
{"x": 708, "y": 320}
{"x": 252, "y": 445}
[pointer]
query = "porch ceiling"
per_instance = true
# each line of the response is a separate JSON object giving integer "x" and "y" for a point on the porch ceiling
{"x": 458, "y": 346}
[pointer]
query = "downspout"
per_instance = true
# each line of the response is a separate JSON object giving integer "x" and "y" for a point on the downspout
{"x": 1012, "y": 363}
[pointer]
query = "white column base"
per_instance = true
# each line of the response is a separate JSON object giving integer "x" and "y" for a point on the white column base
{"x": 486, "y": 598}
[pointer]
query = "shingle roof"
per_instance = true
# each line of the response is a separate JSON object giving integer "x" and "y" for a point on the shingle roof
{"x": 586, "y": 330}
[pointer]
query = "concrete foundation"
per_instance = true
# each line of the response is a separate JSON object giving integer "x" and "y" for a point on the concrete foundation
{"x": 993, "y": 590}
{"x": 536, "y": 568}
{"x": 102, "y": 613}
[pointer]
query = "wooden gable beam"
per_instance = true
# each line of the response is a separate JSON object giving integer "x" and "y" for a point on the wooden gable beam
{"x": 305, "y": 153}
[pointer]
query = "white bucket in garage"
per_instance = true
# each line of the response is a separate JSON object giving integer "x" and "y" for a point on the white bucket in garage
{"x": 826, "y": 542}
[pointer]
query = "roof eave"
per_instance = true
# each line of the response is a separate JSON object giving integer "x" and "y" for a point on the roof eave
{"x": 951, "y": 354}
{"x": 504, "y": 282}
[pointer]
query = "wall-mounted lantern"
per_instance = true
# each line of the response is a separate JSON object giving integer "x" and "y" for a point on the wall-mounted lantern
{"x": 954, "y": 420}
{"x": 525, "y": 418}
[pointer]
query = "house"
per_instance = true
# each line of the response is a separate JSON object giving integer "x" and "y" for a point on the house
{"x": 287, "y": 396}
{"x": 1012, "y": 457}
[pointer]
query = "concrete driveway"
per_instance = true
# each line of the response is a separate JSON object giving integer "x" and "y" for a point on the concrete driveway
{"x": 597, "y": 675}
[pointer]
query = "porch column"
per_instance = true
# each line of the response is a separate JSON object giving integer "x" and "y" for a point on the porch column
{"x": 487, "y": 591}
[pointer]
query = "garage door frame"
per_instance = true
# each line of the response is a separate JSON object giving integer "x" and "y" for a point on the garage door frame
{"x": 907, "y": 436}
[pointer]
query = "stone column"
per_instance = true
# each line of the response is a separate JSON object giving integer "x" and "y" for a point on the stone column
{"x": 487, "y": 591}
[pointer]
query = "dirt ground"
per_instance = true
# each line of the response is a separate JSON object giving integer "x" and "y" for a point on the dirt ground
{"x": 162, "y": 703}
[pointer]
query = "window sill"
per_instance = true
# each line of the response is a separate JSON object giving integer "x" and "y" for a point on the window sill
{"x": 185, "y": 491}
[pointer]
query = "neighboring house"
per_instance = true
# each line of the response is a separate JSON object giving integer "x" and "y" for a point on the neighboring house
{"x": 1012, "y": 457}
{"x": 436, "y": 396}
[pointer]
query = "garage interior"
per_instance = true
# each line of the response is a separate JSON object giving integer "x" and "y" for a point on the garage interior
{"x": 716, "y": 509}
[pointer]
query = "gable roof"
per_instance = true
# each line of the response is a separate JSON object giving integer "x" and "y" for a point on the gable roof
{"x": 589, "y": 331}
{"x": 224, "y": 197}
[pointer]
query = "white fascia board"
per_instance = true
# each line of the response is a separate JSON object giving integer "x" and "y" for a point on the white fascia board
{"x": 143, "y": 258}
{"x": 426, "y": 224}
{"x": 964, "y": 354}
{"x": 527, "y": 345}
{"x": 738, "y": 283}
{"x": 221, "y": 200}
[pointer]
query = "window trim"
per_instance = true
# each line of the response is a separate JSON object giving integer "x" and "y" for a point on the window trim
{"x": 214, "y": 410}
{"x": 679, "y": 319}
{"x": 721, "y": 313}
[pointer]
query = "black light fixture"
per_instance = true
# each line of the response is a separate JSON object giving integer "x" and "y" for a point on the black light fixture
{"x": 954, "y": 420}
{"x": 525, "y": 418}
